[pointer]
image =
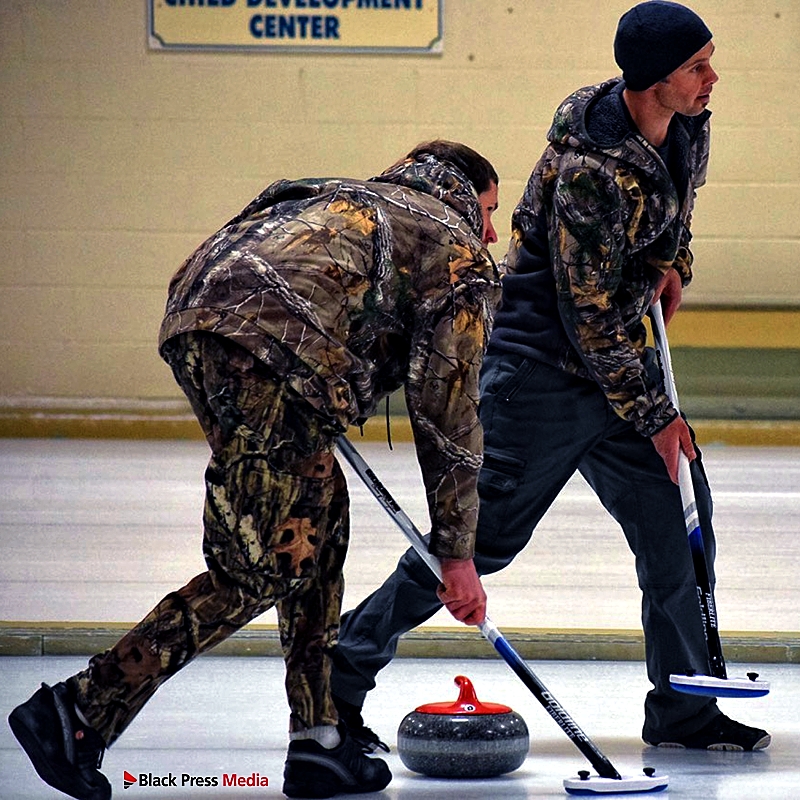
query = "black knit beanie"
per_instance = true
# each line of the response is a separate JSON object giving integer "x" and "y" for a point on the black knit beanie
{"x": 654, "y": 38}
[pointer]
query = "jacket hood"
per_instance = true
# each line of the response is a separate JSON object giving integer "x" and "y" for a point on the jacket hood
{"x": 596, "y": 118}
{"x": 441, "y": 180}
{"x": 426, "y": 174}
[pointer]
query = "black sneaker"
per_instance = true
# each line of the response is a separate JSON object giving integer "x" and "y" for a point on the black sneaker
{"x": 314, "y": 771}
{"x": 65, "y": 752}
{"x": 722, "y": 733}
{"x": 364, "y": 737}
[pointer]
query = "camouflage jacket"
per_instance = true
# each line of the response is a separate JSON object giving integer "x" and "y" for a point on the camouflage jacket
{"x": 351, "y": 289}
{"x": 602, "y": 218}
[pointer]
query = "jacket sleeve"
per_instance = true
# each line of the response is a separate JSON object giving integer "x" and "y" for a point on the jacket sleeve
{"x": 442, "y": 396}
{"x": 588, "y": 246}
{"x": 700, "y": 153}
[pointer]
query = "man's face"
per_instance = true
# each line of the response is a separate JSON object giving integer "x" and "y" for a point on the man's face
{"x": 687, "y": 90}
{"x": 488, "y": 201}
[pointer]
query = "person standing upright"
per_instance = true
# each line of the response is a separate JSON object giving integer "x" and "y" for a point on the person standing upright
{"x": 603, "y": 229}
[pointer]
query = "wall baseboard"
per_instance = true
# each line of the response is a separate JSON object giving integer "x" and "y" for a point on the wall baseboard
{"x": 50, "y": 418}
{"x": 87, "y": 638}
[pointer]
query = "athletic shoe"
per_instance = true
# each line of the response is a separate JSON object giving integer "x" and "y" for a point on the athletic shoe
{"x": 65, "y": 752}
{"x": 364, "y": 737}
{"x": 314, "y": 771}
{"x": 722, "y": 733}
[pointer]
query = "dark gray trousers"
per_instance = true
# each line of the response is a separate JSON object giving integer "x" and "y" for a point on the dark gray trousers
{"x": 540, "y": 426}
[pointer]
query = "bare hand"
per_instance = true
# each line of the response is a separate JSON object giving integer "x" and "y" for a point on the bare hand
{"x": 461, "y": 591}
{"x": 670, "y": 441}
{"x": 670, "y": 292}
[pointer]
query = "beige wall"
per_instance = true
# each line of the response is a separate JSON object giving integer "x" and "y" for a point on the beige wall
{"x": 116, "y": 160}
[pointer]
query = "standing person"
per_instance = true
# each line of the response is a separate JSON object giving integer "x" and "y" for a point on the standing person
{"x": 602, "y": 230}
{"x": 283, "y": 329}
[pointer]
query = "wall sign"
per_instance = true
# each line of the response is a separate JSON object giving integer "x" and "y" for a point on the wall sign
{"x": 352, "y": 26}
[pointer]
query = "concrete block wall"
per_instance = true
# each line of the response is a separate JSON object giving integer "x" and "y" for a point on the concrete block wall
{"x": 117, "y": 160}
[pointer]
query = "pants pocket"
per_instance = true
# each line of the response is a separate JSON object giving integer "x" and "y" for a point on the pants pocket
{"x": 505, "y": 375}
{"x": 500, "y": 474}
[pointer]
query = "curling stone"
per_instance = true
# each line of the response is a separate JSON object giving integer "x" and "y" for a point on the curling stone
{"x": 465, "y": 739}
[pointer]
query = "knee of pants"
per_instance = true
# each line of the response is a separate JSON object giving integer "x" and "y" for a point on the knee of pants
{"x": 411, "y": 567}
{"x": 246, "y": 593}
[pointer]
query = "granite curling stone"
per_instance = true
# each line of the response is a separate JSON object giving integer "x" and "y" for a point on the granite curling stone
{"x": 465, "y": 739}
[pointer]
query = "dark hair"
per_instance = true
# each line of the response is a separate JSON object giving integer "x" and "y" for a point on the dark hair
{"x": 478, "y": 170}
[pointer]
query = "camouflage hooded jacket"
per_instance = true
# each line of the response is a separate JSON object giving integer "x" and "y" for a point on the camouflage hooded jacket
{"x": 602, "y": 218}
{"x": 351, "y": 289}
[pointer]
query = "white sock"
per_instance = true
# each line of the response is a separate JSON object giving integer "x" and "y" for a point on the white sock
{"x": 326, "y": 735}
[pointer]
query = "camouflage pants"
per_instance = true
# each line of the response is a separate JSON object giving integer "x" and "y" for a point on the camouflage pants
{"x": 276, "y": 527}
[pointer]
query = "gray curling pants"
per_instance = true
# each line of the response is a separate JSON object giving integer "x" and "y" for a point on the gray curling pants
{"x": 540, "y": 426}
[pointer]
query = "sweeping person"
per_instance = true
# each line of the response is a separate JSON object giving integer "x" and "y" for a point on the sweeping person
{"x": 284, "y": 328}
{"x": 602, "y": 230}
